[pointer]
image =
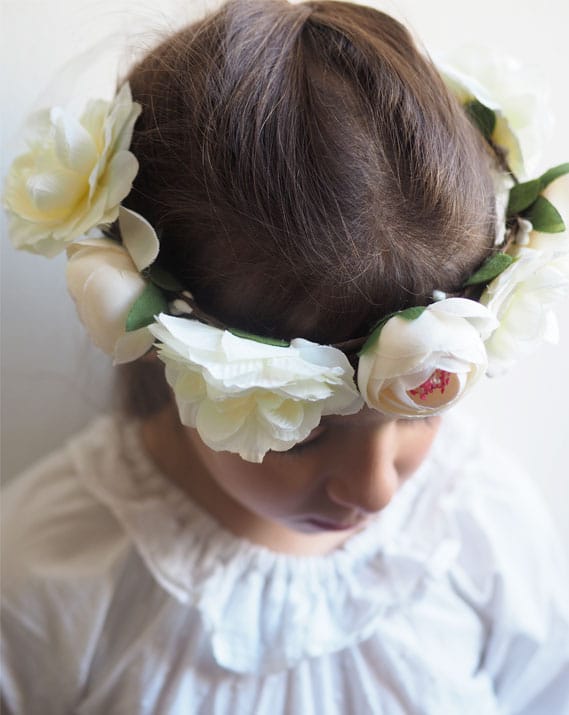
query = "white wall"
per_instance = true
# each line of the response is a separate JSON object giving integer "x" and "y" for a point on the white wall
{"x": 53, "y": 381}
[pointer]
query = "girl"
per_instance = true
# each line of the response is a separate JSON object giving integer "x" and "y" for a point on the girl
{"x": 323, "y": 244}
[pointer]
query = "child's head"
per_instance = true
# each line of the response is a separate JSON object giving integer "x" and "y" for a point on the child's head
{"x": 298, "y": 173}
{"x": 308, "y": 173}
{"x": 306, "y": 169}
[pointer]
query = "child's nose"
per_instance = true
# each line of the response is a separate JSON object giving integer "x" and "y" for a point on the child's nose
{"x": 366, "y": 477}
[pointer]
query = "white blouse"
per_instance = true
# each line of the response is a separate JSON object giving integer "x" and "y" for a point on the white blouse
{"x": 121, "y": 596}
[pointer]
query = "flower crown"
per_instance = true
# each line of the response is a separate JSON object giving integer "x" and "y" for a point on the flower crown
{"x": 248, "y": 394}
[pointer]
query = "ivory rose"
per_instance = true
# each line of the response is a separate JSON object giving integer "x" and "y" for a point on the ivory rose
{"x": 104, "y": 280}
{"x": 516, "y": 93}
{"x": 522, "y": 298}
{"x": 74, "y": 174}
{"x": 250, "y": 397}
{"x": 421, "y": 366}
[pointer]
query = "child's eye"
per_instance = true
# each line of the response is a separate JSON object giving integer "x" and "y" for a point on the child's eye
{"x": 415, "y": 420}
{"x": 313, "y": 438}
{"x": 410, "y": 421}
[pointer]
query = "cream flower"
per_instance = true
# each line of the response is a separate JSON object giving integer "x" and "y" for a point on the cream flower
{"x": 249, "y": 397}
{"x": 105, "y": 282}
{"x": 74, "y": 174}
{"x": 522, "y": 298}
{"x": 422, "y": 366}
{"x": 517, "y": 94}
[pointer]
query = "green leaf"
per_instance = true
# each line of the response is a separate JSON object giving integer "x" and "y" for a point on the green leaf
{"x": 482, "y": 116}
{"x": 163, "y": 279}
{"x": 374, "y": 336}
{"x": 259, "y": 339}
{"x": 552, "y": 174}
{"x": 407, "y": 314}
{"x": 523, "y": 195}
{"x": 411, "y": 313}
{"x": 544, "y": 216}
{"x": 492, "y": 267}
{"x": 150, "y": 303}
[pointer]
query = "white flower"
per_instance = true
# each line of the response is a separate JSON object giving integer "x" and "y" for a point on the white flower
{"x": 522, "y": 298}
{"x": 422, "y": 366}
{"x": 105, "y": 282}
{"x": 74, "y": 174}
{"x": 516, "y": 93}
{"x": 249, "y": 397}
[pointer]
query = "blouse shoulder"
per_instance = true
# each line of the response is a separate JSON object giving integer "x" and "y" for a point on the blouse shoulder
{"x": 62, "y": 551}
{"x": 499, "y": 516}
{"x": 511, "y": 569}
{"x": 50, "y": 522}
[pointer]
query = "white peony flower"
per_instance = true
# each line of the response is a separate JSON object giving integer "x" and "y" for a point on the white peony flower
{"x": 522, "y": 298}
{"x": 422, "y": 366}
{"x": 516, "y": 93}
{"x": 249, "y": 397}
{"x": 105, "y": 282}
{"x": 74, "y": 175}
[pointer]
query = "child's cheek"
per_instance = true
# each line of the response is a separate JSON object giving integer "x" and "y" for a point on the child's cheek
{"x": 415, "y": 441}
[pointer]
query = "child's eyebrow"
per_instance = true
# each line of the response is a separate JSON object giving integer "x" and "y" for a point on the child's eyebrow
{"x": 341, "y": 420}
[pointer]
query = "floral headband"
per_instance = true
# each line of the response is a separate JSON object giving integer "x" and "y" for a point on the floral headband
{"x": 248, "y": 394}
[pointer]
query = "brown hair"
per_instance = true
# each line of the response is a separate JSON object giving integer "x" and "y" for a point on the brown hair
{"x": 306, "y": 169}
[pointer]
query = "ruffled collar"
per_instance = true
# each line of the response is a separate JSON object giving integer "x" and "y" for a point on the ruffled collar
{"x": 265, "y": 611}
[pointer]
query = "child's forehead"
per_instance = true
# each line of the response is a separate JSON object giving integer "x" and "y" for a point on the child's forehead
{"x": 366, "y": 416}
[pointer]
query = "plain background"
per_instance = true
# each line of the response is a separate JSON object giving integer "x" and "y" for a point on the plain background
{"x": 53, "y": 381}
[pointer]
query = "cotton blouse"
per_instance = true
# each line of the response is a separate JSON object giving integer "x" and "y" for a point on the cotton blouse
{"x": 120, "y": 595}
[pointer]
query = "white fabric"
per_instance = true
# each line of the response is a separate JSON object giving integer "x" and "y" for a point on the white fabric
{"x": 121, "y": 596}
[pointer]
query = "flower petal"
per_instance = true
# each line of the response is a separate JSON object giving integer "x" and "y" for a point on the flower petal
{"x": 123, "y": 118}
{"x": 521, "y": 298}
{"x": 218, "y": 421}
{"x": 119, "y": 176}
{"x": 108, "y": 295}
{"x": 258, "y": 397}
{"x": 138, "y": 237}
{"x": 445, "y": 337}
{"x": 74, "y": 146}
{"x": 517, "y": 94}
{"x": 53, "y": 195}
{"x": 131, "y": 346}
{"x": 93, "y": 120}
{"x": 71, "y": 180}
{"x": 104, "y": 284}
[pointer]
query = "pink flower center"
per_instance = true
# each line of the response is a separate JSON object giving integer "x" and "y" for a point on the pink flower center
{"x": 439, "y": 380}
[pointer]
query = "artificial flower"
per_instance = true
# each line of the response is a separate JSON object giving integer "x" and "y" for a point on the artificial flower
{"x": 522, "y": 298}
{"x": 250, "y": 397}
{"x": 105, "y": 283}
{"x": 515, "y": 93}
{"x": 420, "y": 366}
{"x": 74, "y": 175}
